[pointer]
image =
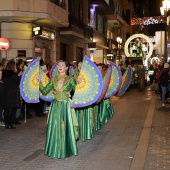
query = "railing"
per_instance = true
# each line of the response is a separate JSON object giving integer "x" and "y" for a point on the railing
{"x": 111, "y": 5}
{"x": 76, "y": 23}
{"x": 60, "y": 3}
{"x": 73, "y": 21}
{"x": 126, "y": 18}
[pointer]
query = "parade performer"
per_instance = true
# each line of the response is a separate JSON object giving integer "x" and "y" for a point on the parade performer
{"x": 62, "y": 130}
{"x": 105, "y": 106}
{"x": 84, "y": 117}
{"x": 96, "y": 111}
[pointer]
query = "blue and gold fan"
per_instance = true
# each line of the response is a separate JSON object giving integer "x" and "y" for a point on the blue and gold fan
{"x": 90, "y": 88}
{"x": 29, "y": 87}
{"x": 45, "y": 80}
{"x": 106, "y": 81}
{"x": 126, "y": 79}
{"x": 54, "y": 70}
{"x": 115, "y": 81}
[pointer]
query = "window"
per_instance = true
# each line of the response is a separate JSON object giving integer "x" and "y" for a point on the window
{"x": 100, "y": 24}
{"x": 60, "y": 3}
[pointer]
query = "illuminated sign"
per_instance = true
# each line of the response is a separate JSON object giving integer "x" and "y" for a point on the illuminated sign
{"x": 4, "y": 44}
{"x": 92, "y": 46}
{"x": 148, "y": 20}
{"x": 44, "y": 33}
{"x": 37, "y": 31}
{"x": 155, "y": 60}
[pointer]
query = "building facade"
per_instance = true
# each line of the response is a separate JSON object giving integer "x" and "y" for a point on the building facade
{"x": 62, "y": 29}
{"x": 18, "y": 19}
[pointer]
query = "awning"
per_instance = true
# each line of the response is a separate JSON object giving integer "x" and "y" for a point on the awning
{"x": 101, "y": 47}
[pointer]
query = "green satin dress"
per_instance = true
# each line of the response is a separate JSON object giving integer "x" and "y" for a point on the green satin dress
{"x": 85, "y": 122}
{"x": 106, "y": 110}
{"x": 62, "y": 130}
{"x": 85, "y": 117}
{"x": 97, "y": 118}
{"x": 110, "y": 108}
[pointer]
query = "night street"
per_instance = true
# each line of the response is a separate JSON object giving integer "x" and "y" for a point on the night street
{"x": 136, "y": 137}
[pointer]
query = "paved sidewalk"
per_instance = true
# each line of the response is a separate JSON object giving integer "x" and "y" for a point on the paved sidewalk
{"x": 115, "y": 147}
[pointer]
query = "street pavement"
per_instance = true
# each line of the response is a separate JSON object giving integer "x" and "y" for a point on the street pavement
{"x": 137, "y": 137}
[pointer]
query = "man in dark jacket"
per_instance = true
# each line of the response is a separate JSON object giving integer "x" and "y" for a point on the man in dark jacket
{"x": 11, "y": 93}
{"x": 164, "y": 82}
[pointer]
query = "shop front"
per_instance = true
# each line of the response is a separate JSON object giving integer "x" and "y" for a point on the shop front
{"x": 44, "y": 41}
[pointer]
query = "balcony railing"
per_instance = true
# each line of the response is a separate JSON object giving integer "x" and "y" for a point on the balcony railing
{"x": 73, "y": 21}
{"x": 60, "y": 3}
{"x": 79, "y": 25}
{"x": 106, "y": 6}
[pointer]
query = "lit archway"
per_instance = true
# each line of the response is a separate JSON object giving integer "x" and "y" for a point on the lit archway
{"x": 144, "y": 39}
{"x": 155, "y": 60}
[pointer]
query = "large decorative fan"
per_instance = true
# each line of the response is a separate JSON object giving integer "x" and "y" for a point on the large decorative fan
{"x": 73, "y": 70}
{"x": 29, "y": 87}
{"x": 54, "y": 70}
{"x": 45, "y": 80}
{"x": 106, "y": 81}
{"x": 90, "y": 88}
{"x": 126, "y": 79}
{"x": 115, "y": 81}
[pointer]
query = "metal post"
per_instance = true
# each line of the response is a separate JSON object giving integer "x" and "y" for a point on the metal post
{"x": 119, "y": 52}
{"x": 165, "y": 47}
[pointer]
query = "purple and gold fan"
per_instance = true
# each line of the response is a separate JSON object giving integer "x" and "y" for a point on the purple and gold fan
{"x": 106, "y": 81}
{"x": 126, "y": 79}
{"x": 29, "y": 87}
{"x": 45, "y": 80}
{"x": 115, "y": 81}
{"x": 90, "y": 88}
{"x": 54, "y": 70}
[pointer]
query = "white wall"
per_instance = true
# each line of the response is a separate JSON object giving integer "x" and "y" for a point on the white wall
{"x": 20, "y": 37}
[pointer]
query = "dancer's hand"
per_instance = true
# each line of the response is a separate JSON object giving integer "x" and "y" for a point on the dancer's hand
{"x": 79, "y": 80}
{"x": 38, "y": 78}
{"x": 20, "y": 73}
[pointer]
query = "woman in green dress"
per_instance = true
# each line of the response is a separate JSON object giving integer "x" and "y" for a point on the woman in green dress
{"x": 84, "y": 117}
{"x": 106, "y": 110}
{"x": 62, "y": 130}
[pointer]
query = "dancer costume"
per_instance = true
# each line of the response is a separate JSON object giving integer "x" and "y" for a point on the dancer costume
{"x": 62, "y": 130}
{"x": 106, "y": 110}
{"x": 96, "y": 117}
{"x": 85, "y": 120}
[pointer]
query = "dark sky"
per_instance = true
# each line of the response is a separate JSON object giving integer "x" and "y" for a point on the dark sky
{"x": 153, "y": 10}
{"x": 155, "y": 7}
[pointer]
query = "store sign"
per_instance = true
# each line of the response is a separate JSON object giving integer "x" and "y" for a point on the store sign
{"x": 92, "y": 46}
{"x": 44, "y": 33}
{"x": 48, "y": 34}
{"x": 4, "y": 44}
{"x": 37, "y": 31}
{"x": 39, "y": 50}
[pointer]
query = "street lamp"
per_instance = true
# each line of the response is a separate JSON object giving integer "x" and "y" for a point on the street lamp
{"x": 164, "y": 9}
{"x": 119, "y": 41}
